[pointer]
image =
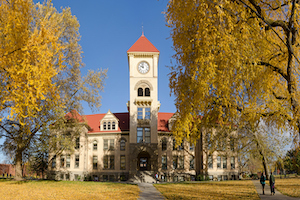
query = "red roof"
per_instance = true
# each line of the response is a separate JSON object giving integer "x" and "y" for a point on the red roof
{"x": 142, "y": 45}
{"x": 162, "y": 121}
{"x": 94, "y": 122}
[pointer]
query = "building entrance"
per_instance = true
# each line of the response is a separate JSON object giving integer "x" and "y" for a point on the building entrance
{"x": 144, "y": 161}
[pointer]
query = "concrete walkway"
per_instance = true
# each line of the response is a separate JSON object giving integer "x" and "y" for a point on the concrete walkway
{"x": 277, "y": 196}
{"x": 149, "y": 192}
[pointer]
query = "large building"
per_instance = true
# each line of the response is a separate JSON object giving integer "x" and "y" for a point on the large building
{"x": 123, "y": 146}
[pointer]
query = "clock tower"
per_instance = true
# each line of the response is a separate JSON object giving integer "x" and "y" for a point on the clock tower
{"x": 143, "y": 105}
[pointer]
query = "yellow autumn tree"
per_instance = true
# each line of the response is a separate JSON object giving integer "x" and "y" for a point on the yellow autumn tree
{"x": 237, "y": 63}
{"x": 40, "y": 61}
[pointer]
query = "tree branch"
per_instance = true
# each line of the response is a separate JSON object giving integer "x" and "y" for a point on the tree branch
{"x": 275, "y": 69}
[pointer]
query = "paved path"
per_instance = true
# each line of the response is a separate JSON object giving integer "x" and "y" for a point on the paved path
{"x": 277, "y": 196}
{"x": 149, "y": 192}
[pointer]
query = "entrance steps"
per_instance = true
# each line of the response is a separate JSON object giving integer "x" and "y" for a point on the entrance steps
{"x": 143, "y": 177}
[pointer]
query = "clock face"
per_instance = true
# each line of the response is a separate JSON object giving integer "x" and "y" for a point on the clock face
{"x": 143, "y": 67}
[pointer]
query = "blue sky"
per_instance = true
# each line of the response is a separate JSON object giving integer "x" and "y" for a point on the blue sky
{"x": 108, "y": 29}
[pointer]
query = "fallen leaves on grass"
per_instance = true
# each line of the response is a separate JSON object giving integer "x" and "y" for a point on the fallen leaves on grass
{"x": 67, "y": 190}
{"x": 289, "y": 186}
{"x": 212, "y": 190}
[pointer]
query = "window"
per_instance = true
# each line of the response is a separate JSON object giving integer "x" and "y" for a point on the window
{"x": 147, "y": 92}
{"x": 76, "y": 161}
{"x": 140, "y": 113}
{"x": 95, "y": 162}
{"x": 109, "y": 162}
{"x": 147, "y": 135}
{"x": 105, "y": 146}
{"x": 122, "y": 144}
{"x": 192, "y": 163}
{"x": 140, "y": 92}
{"x": 175, "y": 158}
{"x": 208, "y": 140}
{"x": 111, "y": 178}
{"x": 77, "y": 143}
{"x": 164, "y": 144}
{"x": 218, "y": 162}
{"x": 224, "y": 162}
{"x": 143, "y": 113}
{"x": 105, "y": 177}
{"x": 174, "y": 144}
{"x": 113, "y": 127}
{"x": 164, "y": 162}
{"x": 68, "y": 161}
{"x": 147, "y": 113}
{"x": 231, "y": 143}
{"x": 181, "y": 147}
{"x": 210, "y": 162}
{"x": 232, "y": 162}
{"x": 108, "y": 125}
{"x": 95, "y": 145}
{"x": 192, "y": 147}
{"x": 109, "y": 144}
{"x": 54, "y": 161}
{"x": 67, "y": 177}
{"x": 62, "y": 161}
{"x": 104, "y": 125}
{"x": 62, "y": 176}
{"x": 122, "y": 162}
{"x": 219, "y": 177}
{"x": 143, "y": 135}
{"x": 180, "y": 162}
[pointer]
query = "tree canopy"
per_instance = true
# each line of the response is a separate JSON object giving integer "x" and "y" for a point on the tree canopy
{"x": 237, "y": 63}
{"x": 40, "y": 62}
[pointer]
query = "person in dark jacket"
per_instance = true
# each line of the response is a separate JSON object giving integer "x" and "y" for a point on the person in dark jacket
{"x": 272, "y": 184}
{"x": 263, "y": 181}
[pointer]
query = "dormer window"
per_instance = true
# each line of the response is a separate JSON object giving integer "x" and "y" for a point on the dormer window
{"x": 109, "y": 125}
{"x": 104, "y": 125}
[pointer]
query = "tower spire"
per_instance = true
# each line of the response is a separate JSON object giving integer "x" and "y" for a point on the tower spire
{"x": 142, "y": 30}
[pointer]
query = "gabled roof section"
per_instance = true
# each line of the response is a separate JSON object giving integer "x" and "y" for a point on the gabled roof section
{"x": 162, "y": 121}
{"x": 109, "y": 116}
{"x": 94, "y": 122}
{"x": 74, "y": 115}
{"x": 142, "y": 45}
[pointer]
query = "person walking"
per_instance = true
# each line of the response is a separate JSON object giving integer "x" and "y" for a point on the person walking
{"x": 156, "y": 177}
{"x": 263, "y": 181}
{"x": 272, "y": 184}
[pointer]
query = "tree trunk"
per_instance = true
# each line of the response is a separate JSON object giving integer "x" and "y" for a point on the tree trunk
{"x": 18, "y": 175}
{"x": 264, "y": 164}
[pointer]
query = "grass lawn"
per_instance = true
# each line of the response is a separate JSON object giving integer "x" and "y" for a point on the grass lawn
{"x": 67, "y": 190}
{"x": 209, "y": 190}
{"x": 289, "y": 186}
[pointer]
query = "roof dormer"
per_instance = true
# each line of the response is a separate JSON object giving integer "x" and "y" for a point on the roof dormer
{"x": 109, "y": 122}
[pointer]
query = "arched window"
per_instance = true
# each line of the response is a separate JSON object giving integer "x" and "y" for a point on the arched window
{"x": 164, "y": 144}
{"x": 108, "y": 126}
{"x": 140, "y": 92}
{"x": 95, "y": 145}
{"x": 104, "y": 125}
{"x": 147, "y": 92}
{"x": 122, "y": 144}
